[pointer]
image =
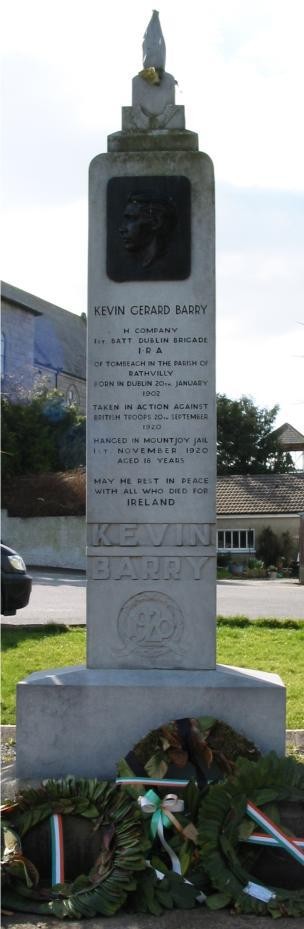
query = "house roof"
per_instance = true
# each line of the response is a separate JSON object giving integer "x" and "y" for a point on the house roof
{"x": 18, "y": 298}
{"x": 290, "y": 438}
{"x": 260, "y": 493}
{"x": 60, "y": 336}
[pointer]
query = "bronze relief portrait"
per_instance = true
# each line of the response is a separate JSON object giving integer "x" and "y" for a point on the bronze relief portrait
{"x": 148, "y": 228}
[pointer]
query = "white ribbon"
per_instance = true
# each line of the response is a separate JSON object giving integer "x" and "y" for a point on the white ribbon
{"x": 170, "y": 802}
{"x": 176, "y": 865}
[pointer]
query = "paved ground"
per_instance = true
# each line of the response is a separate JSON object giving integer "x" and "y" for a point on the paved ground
{"x": 200, "y": 918}
{"x": 279, "y": 598}
{"x": 59, "y": 597}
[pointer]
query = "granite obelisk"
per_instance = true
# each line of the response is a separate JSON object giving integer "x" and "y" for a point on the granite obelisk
{"x": 151, "y": 468}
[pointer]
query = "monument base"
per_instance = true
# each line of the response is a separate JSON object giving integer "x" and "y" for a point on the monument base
{"x": 80, "y": 721}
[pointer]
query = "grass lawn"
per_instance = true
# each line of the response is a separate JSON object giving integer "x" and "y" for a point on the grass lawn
{"x": 265, "y": 644}
{"x": 269, "y": 645}
{"x": 24, "y": 651}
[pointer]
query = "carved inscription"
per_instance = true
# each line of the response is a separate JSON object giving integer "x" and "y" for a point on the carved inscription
{"x": 150, "y": 422}
{"x": 154, "y": 534}
{"x": 148, "y": 567}
{"x": 150, "y": 624}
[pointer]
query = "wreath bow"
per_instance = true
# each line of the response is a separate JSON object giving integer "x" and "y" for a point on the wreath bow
{"x": 162, "y": 815}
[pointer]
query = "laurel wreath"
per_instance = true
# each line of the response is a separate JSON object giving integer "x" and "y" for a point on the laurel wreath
{"x": 159, "y": 888}
{"x": 110, "y": 883}
{"x": 222, "y": 824}
{"x": 217, "y": 860}
{"x": 104, "y": 890}
{"x": 199, "y": 750}
{"x": 208, "y": 746}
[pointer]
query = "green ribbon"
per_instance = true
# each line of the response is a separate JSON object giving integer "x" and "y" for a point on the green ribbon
{"x": 154, "y": 803}
{"x": 151, "y": 804}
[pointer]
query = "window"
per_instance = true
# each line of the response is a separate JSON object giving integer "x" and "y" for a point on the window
{"x": 236, "y": 540}
{"x": 72, "y": 396}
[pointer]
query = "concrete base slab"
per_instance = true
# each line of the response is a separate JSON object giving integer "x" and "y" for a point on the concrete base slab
{"x": 80, "y": 721}
{"x": 199, "y": 918}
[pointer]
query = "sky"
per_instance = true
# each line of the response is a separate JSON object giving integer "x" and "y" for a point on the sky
{"x": 67, "y": 70}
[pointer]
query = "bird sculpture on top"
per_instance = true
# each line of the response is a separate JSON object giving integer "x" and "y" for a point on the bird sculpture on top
{"x": 154, "y": 51}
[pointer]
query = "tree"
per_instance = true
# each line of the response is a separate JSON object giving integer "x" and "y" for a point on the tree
{"x": 268, "y": 546}
{"x": 245, "y": 440}
{"x": 40, "y": 434}
{"x": 274, "y": 549}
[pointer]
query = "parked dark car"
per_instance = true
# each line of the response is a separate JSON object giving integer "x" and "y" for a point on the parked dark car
{"x": 16, "y": 584}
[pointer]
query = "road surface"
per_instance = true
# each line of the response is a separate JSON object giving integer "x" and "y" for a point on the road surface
{"x": 59, "y": 597}
{"x": 279, "y": 599}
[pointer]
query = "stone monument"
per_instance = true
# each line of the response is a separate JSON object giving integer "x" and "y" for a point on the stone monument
{"x": 151, "y": 465}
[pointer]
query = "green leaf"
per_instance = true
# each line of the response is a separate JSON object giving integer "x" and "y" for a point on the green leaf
{"x": 91, "y": 812}
{"x": 272, "y": 810}
{"x": 185, "y": 856}
{"x": 158, "y": 864}
{"x": 154, "y": 907}
{"x": 218, "y": 901}
{"x": 192, "y": 796}
{"x": 81, "y": 883}
{"x": 165, "y": 898}
{"x": 123, "y": 769}
{"x": 184, "y": 895}
{"x": 246, "y": 828}
{"x": 205, "y": 723}
{"x": 265, "y": 796}
{"x": 157, "y": 766}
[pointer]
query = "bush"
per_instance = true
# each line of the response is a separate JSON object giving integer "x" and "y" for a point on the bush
{"x": 254, "y": 564}
{"x": 40, "y": 434}
{"x": 57, "y": 493}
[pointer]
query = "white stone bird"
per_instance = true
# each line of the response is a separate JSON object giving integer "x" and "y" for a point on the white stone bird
{"x": 154, "y": 48}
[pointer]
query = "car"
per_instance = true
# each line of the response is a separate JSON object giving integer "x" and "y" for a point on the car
{"x": 16, "y": 584}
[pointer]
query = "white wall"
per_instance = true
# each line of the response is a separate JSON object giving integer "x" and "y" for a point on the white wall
{"x": 49, "y": 541}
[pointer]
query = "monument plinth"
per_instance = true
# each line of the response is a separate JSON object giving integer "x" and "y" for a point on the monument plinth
{"x": 151, "y": 465}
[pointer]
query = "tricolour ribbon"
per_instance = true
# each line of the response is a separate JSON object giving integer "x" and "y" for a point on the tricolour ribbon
{"x": 158, "y": 782}
{"x": 271, "y": 828}
{"x": 260, "y": 838}
{"x": 57, "y": 849}
{"x": 161, "y": 812}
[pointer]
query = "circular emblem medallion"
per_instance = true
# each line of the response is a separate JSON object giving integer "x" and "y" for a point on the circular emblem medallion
{"x": 150, "y": 623}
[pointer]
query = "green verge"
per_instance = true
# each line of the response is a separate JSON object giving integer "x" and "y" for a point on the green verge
{"x": 27, "y": 650}
{"x": 272, "y": 645}
{"x": 266, "y": 644}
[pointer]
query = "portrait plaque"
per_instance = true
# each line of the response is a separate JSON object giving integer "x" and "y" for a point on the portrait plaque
{"x": 148, "y": 228}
